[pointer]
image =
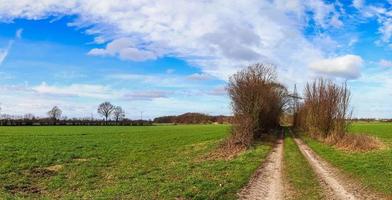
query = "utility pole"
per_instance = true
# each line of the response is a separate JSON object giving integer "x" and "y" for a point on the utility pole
{"x": 295, "y": 105}
{"x": 141, "y": 115}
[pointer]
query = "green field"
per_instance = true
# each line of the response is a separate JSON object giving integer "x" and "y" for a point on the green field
{"x": 374, "y": 169}
{"x": 156, "y": 162}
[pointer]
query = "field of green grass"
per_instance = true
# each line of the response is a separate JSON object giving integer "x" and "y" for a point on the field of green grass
{"x": 155, "y": 162}
{"x": 373, "y": 169}
{"x": 300, "y": 176}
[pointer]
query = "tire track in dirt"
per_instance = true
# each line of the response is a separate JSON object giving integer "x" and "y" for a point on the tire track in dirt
{"x": 334, "y": 184}
{"x": 267, "y": 182}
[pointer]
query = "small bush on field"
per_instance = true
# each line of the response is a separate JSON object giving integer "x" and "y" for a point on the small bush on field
{"x": 257, "y": 101}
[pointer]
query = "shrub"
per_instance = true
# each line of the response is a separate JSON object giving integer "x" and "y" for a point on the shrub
{"x": 325, "y": 110}
{"x": 257, "y": 102}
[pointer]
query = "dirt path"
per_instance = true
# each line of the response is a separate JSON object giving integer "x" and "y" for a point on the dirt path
{"x": 267, "y": 182}
{"x": 335, "y": 185}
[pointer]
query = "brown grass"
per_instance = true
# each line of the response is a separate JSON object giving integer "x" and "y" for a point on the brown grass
{"x": 226, "y": 151}
{"x": 356, "y": 143}
{"x": 55, "y": 168}
{"x": 229, "y": 148}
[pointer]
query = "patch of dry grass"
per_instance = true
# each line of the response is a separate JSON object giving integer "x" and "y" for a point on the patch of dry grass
{"x": 55, "y": 168}
{"x": 357, "y": 143}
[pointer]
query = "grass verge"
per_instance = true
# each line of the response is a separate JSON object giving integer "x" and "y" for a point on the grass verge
{"x": 302, "y": 181}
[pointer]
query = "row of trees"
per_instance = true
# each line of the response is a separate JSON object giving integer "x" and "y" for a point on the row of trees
{"x": 105, "y": 109}
{"x": 193, "y": 118}
{"x": 111, "y": 115}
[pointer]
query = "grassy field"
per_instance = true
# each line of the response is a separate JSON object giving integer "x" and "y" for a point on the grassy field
{"x": 301, "y": 179}
{"x": 373, "y": 169}
{"x": 157, "y": 162}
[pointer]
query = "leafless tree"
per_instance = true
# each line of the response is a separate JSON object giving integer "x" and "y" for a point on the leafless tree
{"x": 325, "y": 109}
{"x": 55, "y": 113}
{"x": 29, "y": 116}
{"x": 118, "y": 113}
{"x": 105, "y": 109}
{"x": 258, "y": 101}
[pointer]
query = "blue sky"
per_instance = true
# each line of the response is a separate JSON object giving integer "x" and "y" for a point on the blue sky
{"x": 169, "y": 57}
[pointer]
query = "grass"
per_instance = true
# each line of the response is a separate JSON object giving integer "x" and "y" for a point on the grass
{"x": 156, "y": 162}
{"x": 302, "y": 180}
{"x": 373, "y": 169}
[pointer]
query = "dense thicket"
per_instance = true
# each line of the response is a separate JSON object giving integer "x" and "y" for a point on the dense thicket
{"x": 325, "y": 109}
{"x": 258, "y": 101}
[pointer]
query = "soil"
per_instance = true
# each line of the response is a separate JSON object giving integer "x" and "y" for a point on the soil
{"x": 267, "y": 182}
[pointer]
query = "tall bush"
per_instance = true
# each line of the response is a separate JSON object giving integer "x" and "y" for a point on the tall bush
{"x": 257, "y": 101}
{"x": 325, "y": 109}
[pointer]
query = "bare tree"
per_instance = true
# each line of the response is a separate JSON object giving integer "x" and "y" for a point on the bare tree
{"x": 325, "y": 109}
{"x": 105, "y": 109}
{"x": 118, "y": 113}
{"x": 55, "y": 113}
{"x": 258, "y": 101}
{"x": 29, "y": 116}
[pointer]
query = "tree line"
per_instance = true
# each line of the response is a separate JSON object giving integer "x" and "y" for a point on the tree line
{"x": 193, "y": 118}
{"x": 111, "y": 115}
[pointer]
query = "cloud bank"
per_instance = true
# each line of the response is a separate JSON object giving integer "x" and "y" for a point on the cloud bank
{"x": 217, "y": 36}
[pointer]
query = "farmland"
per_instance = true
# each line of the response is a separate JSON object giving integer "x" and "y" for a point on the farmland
{"x": 373, "y": 169}
{"x": 154, "y": 162}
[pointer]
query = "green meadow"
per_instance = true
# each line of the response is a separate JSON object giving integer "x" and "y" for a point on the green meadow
{"x": 153, "y": 162}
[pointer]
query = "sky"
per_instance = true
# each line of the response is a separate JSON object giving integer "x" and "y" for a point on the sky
{"x": 168, "y": 57}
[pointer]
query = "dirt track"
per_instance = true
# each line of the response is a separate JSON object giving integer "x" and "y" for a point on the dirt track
{"x": 333, "y": 182}
{"x": 267, "y": 182}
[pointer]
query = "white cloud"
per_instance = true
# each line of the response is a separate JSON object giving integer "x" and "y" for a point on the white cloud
{"x": 199, "y": 77}
{"x": 347, "y": 66}
{"x": 170, "y": 71}
{"x": 125, "y": 49}
{"x": 146, "y": 95}
{"x": 218, "y": 36}
{"x": 22, "y": 99}
{"x": 18, "y": 33}
{"x": 358, "y": 3}
{"x": 3, "y": 55}
{"x": 219, "y": 91}
{"x": 385, "y": 63}
{"x": 75, "y": 90}
{"x": 384, "y": 19}
{"x": 386, "y": 29}
{"x": 372, "y": 94}
{"x": 164, "y": 80}
{"x": 4, "y": 52}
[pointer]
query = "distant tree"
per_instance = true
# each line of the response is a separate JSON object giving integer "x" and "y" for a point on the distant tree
{"x": 55, "y": 113}
{"x": 29, "y": 116}
{"x": 118, "y": 113}
{"x": 105, "y": 109}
